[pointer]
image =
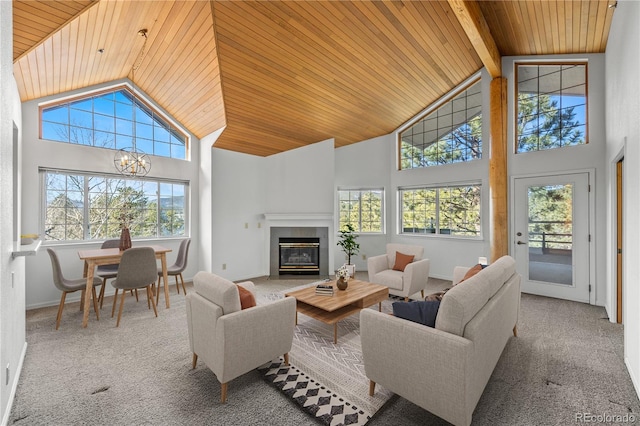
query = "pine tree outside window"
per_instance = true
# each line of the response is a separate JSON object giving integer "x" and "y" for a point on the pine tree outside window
{"x": 452, "y": 133}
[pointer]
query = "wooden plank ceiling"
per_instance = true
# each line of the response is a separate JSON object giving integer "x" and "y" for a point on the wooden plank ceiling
{"x": 279, "y": 75}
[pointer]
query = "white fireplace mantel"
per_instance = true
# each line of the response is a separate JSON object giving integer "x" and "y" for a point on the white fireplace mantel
{"x": 299, "y": 219}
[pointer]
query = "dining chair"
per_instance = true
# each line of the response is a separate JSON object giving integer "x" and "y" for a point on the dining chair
{"x": 138, "y": 269}
{"x": 177, "y": 268}
{"x": 66, "y": 285}
{"x": 107, "y": 271}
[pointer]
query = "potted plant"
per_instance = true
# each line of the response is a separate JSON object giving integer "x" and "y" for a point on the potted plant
{"x": 350, "y": 247}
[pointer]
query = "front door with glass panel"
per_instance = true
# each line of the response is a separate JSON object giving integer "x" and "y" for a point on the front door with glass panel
{"x": 551, "y": 235}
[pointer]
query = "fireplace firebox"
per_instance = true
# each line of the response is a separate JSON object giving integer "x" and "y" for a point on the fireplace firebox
{"x": 300, "y": 256}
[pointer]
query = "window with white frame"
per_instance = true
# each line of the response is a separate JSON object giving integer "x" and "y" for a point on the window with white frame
{"x": 115, "y": 119}
{"x": 452, "y": 133}
{"x": 451, "y": 210}
{"x": 362, "y": 208}
{"x": 551, "y": 106}
{"x": 84, "y": 206}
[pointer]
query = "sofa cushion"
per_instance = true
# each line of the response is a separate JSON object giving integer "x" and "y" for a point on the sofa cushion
{"x": 218, "y": 290}
{"x": 402, "y": 260}
{"x": 389, "y": 278}
{"x": 420, "y": 311}
{"x": 247, "y": 300}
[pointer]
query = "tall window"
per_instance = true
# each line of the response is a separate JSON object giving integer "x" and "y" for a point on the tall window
{"x": 551, "y": 107}
{"x": 362, "y": 208}
{"x": 453, "y": 210}
{"x": 80, "y": 206}
{"x": 450, "y": 134}
{"x": 113, "y": 120}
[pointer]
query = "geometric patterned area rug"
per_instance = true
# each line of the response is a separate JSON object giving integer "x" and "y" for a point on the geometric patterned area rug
{"x": 328, "y": 380}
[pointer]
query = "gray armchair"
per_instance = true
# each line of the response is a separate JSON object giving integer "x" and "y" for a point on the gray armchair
{"x": 233, "y": 341}
{"x": 401, "y": 283}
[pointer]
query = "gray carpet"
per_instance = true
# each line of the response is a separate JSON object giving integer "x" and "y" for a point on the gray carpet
{"x": 566, "y": 360}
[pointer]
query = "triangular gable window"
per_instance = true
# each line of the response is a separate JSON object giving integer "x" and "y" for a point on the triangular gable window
{"x": 452, "y": 133}
{"x": 113, "y": 120}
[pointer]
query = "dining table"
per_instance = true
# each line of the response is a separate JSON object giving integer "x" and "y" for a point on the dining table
{"x": 111, "y": 256}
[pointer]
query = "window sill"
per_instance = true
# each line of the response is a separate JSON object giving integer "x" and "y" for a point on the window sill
{"x": 27, "y": 249}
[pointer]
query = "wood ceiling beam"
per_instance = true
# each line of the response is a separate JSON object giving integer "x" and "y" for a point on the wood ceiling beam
{"x": 475, "y": 26}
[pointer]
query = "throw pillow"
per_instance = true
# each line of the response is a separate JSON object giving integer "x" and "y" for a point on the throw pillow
{"x": 422, "y": 312}
{"x": 246, "y": 298}
{"x": 471, "y": 272}
{"x": 402, "y": 260}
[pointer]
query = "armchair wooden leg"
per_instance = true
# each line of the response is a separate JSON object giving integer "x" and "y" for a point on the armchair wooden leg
{"x": 406, "y": 299}
{"x": 286, "y": 358}
{"x": 372, "y": 387}
{"x": 95, "y": 302}
{"x": 60, "y": 309}
{"x": 124, "y": 293}
{"x": 136, "y": 292}
{"x": 223, "y": 392}
{"x": 515, "y": 330}
{"x": 194, "y": 361}
{"x": 422, "y": 293}
{"x": 115, "y": 299}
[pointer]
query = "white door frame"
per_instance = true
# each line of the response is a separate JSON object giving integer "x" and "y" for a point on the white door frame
{"x": 591, "y": 173}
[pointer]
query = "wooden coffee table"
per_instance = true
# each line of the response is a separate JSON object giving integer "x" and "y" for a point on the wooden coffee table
{"x": 343, "y": 303}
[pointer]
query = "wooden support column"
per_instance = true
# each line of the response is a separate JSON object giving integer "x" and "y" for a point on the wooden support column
{"x": 498, "y": 169}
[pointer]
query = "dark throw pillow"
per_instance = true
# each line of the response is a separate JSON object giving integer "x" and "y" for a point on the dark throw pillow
{"x": 422, "y": 312}
{"x": 247, "y": 300}
{"x": 402, "y": 260}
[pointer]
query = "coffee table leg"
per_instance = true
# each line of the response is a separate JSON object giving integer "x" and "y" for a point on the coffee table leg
{"x": 335, "y": 333}
{"x": 379, "y": 306}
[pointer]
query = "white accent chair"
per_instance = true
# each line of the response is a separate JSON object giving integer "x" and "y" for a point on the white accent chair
{"x": 401, "y": 283}
{"x": 232, "y": 341}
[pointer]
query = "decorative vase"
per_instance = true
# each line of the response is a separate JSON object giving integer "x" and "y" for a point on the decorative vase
{"x": 341, "y": 284}
{"x": 125, "y": 239}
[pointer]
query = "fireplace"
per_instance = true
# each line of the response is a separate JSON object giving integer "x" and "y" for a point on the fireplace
{"x": 299, "y": 255}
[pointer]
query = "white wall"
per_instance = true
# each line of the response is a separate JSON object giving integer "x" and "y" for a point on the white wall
{"x": 41, "y": 153}
{"x": 301, "y": 180}
{"x": 238, "y": 202}
{"x": 12, "y": 281}
{"x": 623, "y": 136}
{"x": 360, "y": 166}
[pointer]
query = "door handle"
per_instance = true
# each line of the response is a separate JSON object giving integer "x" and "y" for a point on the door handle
{"x": 520, "y": 242}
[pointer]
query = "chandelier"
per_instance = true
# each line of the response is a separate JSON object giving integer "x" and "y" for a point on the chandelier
{"x": 131, "y": 161}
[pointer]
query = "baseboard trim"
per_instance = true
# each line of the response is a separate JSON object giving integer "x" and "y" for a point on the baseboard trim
{"x": 633, "y": 377}
{"x": 14, "y": 387}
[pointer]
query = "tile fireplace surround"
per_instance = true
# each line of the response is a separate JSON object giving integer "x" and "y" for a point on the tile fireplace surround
{"x": 317, "y": 225}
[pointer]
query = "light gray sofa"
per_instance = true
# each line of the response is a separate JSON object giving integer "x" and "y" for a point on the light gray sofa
{"x": 401, "y": 283}
{"x": 233, "y": 341}
{"x": 445, "y": 369}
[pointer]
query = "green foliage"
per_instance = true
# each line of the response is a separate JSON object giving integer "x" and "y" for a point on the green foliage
{"x": 347, "y": 241}
{"x": 361, "y": 209}
{"x": 464, "y": 143}
{"x": 551, "y": 216}
{"x": 542, "y": 125}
